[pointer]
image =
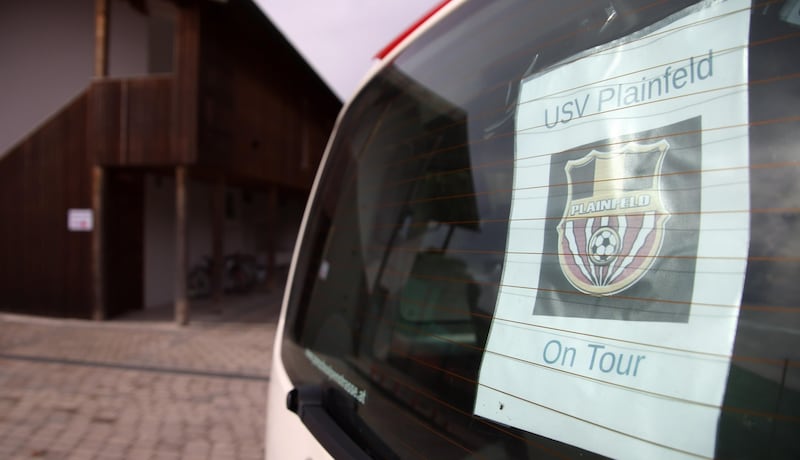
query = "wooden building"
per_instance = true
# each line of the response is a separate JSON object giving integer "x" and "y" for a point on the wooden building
{"x": 210, "y": 150}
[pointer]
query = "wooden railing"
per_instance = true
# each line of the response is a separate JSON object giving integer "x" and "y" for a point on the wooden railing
{"x": 130, "y": 122}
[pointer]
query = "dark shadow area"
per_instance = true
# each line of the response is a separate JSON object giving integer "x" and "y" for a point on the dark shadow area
{"x": 259, "y": 306}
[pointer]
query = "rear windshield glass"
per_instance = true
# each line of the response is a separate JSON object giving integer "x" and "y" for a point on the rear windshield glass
{"x": 561, "y": 229}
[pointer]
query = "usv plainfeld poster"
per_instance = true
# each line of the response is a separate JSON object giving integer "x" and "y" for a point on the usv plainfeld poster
{"x": 628, "y": 240}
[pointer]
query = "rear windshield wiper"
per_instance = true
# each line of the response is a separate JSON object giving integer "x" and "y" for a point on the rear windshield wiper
{"x": 307, "y": 402}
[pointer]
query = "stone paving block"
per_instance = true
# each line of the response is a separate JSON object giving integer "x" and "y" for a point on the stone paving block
{"x": 134, "y": 389}
{"x": 80, "y": 455}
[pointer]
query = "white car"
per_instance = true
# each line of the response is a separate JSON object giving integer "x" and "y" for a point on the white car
{"x": 555, "y": 229}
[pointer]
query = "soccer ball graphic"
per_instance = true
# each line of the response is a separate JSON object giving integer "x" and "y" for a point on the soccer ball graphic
{"x": 604, "y": 246}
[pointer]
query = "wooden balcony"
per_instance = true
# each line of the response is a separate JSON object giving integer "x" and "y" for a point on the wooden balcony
{"x": 129, "y": 122}
{"x": 246, "y": 129}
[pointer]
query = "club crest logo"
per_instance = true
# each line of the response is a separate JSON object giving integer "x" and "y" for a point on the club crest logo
{"x": 613, "y": 223}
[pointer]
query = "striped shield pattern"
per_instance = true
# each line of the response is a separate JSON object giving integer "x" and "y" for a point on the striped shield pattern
{"x": 612, "y": 231}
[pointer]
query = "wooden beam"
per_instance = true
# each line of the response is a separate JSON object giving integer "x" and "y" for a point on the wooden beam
{"x": 101, "y": 22}
{"x": 98, "y": 266}
{"x": 123, "y": 122}
{"x": 181, "y": 247}
{"x": 218, "y": 238}
{"x": 186, "y": 89}
{"x": 274, "y": 234}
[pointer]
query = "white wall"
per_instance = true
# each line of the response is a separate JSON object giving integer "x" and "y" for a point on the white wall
{"x": 159, "y": 240}
{"x": 47, "y": 55}
{"x": 246, "y": 233}
{"x": 127, "y": 44}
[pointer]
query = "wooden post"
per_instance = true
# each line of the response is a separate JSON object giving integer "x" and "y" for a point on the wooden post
{"x": 98, "y": 267}
{"x": 218, "y": 238}
{"x": 101, "y": 15}
{"x": 273, "y": 234}
{"x": 101, "y": 20}
{"x": 184, "y": 138}
{"x": 181, "y": 252}
{"x": 185, "y": 102}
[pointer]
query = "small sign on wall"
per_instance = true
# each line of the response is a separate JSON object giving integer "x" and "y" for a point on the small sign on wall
{"x": 80, "y": 220}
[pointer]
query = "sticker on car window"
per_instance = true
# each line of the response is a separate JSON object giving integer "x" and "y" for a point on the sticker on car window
{"x": 628, "y": 241}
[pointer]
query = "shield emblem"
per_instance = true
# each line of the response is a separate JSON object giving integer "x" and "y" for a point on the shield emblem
{"x": 613, "y": 224}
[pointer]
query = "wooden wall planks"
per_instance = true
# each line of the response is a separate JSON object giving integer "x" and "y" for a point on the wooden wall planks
{"x": 44, "y": 268}
{"x": 130, "y": 122}
{"x": 242, "y": 105}
{"x": 263, "y": 114}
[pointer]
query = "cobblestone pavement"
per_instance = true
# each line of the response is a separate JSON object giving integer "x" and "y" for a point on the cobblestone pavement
{"x": 138, "y": 387}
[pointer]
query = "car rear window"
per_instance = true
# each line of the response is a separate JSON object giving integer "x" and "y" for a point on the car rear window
{"x": 562, "y": 229}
